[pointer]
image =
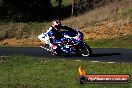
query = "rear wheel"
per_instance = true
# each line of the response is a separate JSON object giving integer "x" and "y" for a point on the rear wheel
{"x": 85, "y": 50}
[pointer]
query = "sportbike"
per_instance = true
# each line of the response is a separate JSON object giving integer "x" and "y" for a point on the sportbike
{"x": 71, "y": 43}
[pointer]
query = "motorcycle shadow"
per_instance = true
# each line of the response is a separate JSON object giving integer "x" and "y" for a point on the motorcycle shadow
{"x": 105, "y": 54}
{"x": 94, "y": 55}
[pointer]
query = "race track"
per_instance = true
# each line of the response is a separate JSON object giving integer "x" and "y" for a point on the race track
{"x": 99, "y": 54}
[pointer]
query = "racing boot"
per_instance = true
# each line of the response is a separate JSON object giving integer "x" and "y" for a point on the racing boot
{"x": 54, "y": 49}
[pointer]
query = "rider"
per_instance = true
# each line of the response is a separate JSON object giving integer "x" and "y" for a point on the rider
{"x": 53, "y": 33}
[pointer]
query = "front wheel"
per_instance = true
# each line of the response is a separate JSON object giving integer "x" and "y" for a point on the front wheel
{"x": 85, "y": 50}
{"x": 56, "y": 52}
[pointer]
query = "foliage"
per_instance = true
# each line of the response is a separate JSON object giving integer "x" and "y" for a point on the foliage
{"x": 24, "y": 9}
{"x": 40, "y": 10}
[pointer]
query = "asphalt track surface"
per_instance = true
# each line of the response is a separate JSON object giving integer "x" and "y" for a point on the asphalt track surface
{"x": 99, "y": 54}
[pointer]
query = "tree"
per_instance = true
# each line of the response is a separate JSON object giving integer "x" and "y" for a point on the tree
{"x": 59, "y": 3}
{"x": 81, "y": 6}
{"x": 25, "y": 9}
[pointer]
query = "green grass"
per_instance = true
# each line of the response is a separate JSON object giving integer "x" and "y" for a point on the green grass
{"x": 124, "y": 15}
{"x": 64, "y": 3}
{"x": 28, "y": 72}
{"x": 122, "y": 42}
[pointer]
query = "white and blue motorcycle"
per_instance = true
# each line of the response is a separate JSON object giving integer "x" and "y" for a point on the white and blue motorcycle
{"x": 71, "y": 44}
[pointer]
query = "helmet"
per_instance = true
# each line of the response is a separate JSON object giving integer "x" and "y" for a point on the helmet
{"x": 57, "y": 22}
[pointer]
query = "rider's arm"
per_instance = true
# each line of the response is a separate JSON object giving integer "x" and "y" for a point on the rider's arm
{"x": 68, "y": 28}
{"x": 49, "y": 31}
{"x": 65, "y": 27}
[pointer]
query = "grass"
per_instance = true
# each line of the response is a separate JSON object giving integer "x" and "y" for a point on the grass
{"x": 120, "y": 10}
{"x": 29, "y": 72}
{"x": 64, "y": 3}
{"x": 122, "y": 42}
{"x": 22, "y": 30}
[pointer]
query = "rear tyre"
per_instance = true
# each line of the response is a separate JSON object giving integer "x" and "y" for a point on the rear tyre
{"x": 85, "y": 50}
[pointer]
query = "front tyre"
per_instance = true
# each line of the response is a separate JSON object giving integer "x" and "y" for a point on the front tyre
{"x": 85, "y": 50}
{"x": 54, "y": 53}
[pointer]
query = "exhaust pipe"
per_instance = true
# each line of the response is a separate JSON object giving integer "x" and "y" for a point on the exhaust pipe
{"x": 45, "y": 48}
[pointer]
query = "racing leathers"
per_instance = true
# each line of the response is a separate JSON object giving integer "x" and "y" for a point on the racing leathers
{"x": 53, "y": 33}
{"x": 54, "y": 36}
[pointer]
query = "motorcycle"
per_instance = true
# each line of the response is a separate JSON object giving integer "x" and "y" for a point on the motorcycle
{"x": 71, "y": 44}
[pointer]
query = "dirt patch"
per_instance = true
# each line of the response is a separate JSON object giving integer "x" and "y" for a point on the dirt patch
{"x": 21, "y": 42}
{"x": 107, "y": 30}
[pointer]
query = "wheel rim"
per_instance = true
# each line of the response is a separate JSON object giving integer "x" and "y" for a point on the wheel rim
{"x": 54, "y": 53}
{"x": 85, "y": 52}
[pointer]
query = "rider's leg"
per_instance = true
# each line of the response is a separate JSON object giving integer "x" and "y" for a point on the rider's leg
{"x": 41, "y": 37}
{"x": 53, "y": 48}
